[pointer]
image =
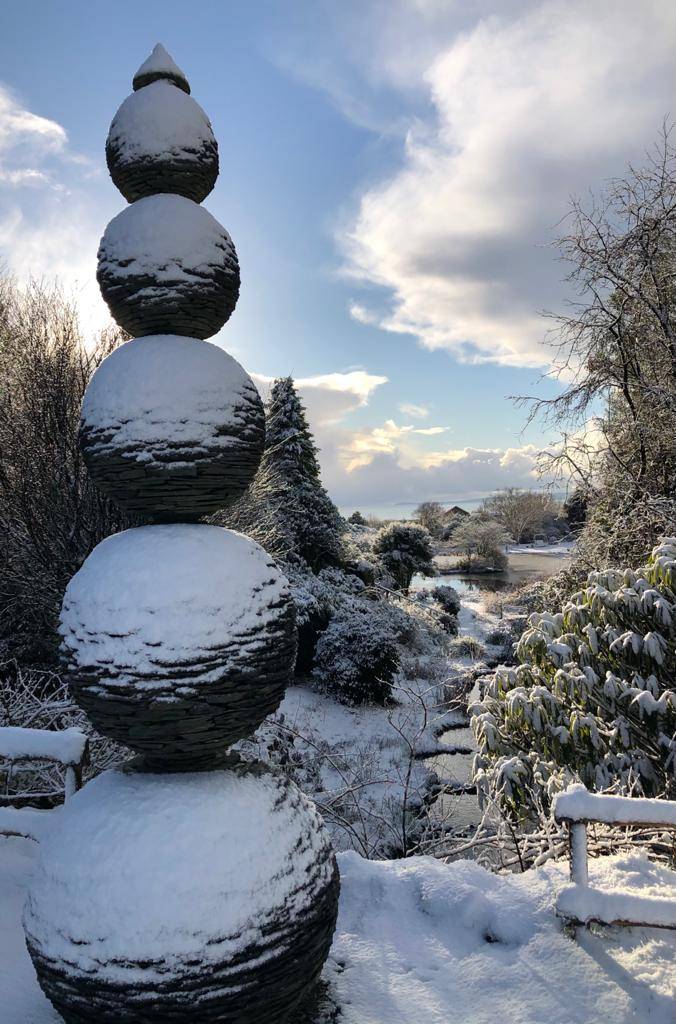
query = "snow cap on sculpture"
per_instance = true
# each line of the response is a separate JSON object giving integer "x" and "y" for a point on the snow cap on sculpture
{"x": 165, "y": 266}
{"x": 160, "y": 65}
{"x": 222, "y": 883}
{"x": 178, "y": 640}
{"x": 160, "y": 139}
{"x": 212, "y": 891}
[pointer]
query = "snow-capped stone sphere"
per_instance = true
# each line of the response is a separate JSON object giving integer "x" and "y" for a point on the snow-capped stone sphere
{"x": 172, "y": 427}
{"x": 160, "y": 65}
{"x": 178, "y": 640}
{"x": 161, "y": 140}
{"x": 198, "y": 897}
{"x": 166, "y": 266}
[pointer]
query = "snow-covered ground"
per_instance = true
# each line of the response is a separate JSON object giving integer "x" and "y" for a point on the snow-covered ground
{"x": 563, "y": 549}
{"x": 361, "y": 764}
{"x": 423, "y": 942}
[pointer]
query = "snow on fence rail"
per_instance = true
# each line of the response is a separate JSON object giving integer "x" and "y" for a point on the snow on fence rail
{"x": 70, "y": 748}
{"x": 580, "y": 903}
{"x": 26, "y": 822}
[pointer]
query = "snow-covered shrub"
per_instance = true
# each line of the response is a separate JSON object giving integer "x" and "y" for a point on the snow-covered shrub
{"x": 592, "y": 697}
{"x": 440, "y": 606}
{"x": 482, "y": 541}
{"x": 359, "y": 557}
{"x": 448, "y": 598}
{"x": 357, "y": 655}
{"x": 466, "y": 647}
{"x": 317, "y": 597}
{"x": 404, "y": 550}
{"x": 501, "y": 637}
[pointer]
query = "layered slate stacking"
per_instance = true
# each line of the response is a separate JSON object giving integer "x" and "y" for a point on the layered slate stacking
{"x": 187, "y": 885}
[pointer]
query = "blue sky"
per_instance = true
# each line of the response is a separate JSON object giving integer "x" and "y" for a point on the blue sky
{"x": 391, "y": 174}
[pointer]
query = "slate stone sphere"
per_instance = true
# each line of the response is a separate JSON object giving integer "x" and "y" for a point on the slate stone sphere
{"x": 172, "y": 428}
{"x": 166, "y": 266}
{"x": 178, "y": 640}
{"x": 160, "y": 140}
{"x": 192, "y": 898}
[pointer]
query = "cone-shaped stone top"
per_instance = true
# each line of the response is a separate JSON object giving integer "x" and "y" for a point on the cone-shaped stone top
{"x": 160, "y": 65}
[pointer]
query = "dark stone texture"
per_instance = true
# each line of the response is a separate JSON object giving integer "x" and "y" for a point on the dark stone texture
{"x": 182, "y": 727}
{"x": 139, "y": 81}
{"x": 192, "y": 176}
{"x": 238, "y": 993}
{"x": 197, "y": 307}
{"x": 166, "y": 489}
{"x": 262, "y": 983}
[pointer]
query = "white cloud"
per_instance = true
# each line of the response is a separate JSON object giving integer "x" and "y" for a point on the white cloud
{"x": 362, "y": 315}
{"x": 49, "y": 226}
{"x": 20, "y": 129}
{"x": 527, "y": 110}
{"x": 360, "y": 447}
{"x": 330, "y": 397}
{"x": 393, "y": 462}
{"x": 416, "y": 412}
{"x": 388, "y": 468}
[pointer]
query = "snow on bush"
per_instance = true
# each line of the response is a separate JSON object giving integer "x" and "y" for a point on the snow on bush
{"x": 357, "y": 655}
{"x": 353, "y": 639}
{"x": 447, "y": 597}
{"x": 592, "y": 696}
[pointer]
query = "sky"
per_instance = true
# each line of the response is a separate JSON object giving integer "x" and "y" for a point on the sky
{"x": 393, "y": 175}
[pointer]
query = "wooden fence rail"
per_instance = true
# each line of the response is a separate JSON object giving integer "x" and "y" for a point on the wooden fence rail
{"x": 580, "y": 903}
{"x": 69, "y": 748}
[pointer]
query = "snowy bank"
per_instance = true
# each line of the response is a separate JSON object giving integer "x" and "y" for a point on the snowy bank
{"x": 426, "y": 942}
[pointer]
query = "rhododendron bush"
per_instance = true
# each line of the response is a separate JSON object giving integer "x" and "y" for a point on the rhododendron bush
{"x": 592, "y": 696}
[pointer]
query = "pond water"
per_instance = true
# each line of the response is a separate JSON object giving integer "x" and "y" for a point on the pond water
{"x": 523, "y": 566}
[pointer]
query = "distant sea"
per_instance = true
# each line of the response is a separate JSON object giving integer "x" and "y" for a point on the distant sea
{"x": 405, "y": 509}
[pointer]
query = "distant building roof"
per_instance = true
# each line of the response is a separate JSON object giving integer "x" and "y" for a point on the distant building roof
{"x": 456, "y": 511}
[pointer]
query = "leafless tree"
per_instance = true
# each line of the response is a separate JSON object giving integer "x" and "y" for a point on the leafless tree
{"x": 482, "y": 537}
{"x": 615, "y": 351}
{"x": 430, "y": 515}
{"x": 51, "y": 515}
{"x": 521, "y": 512}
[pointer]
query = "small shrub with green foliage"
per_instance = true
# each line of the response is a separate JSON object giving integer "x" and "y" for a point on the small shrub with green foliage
{"x": 404, "y": 550}
{"x": 592, "y": 697}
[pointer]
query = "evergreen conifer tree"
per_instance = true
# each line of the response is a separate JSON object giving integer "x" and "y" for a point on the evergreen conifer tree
{"x": 312, "y": 522}
{"x": 286, "y": 508}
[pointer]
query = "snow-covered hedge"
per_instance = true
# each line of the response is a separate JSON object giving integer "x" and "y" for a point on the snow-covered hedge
{"x": 357, "y": 654}
{"x": 592, "y": 696}
{"x": 353, "y": 638}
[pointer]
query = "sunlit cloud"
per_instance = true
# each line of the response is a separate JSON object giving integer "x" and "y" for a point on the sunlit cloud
{"x": 526, "y": 109}
{"x": 330, "y": 397}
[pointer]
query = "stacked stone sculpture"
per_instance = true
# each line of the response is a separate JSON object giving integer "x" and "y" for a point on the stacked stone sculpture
{"x": 187, "y": 886}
